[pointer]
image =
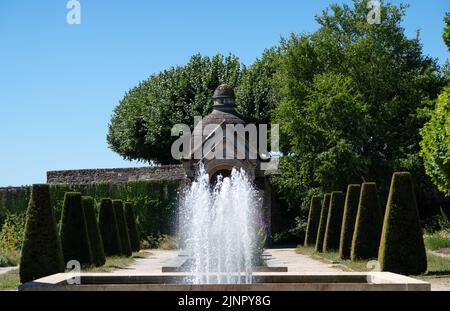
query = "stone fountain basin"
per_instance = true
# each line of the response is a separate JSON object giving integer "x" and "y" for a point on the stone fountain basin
{"x": 262, "y": 281}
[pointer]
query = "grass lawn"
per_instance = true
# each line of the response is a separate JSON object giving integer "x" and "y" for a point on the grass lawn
{"x": 11, "y": 279}
{"x": 436, "y": 265}
{"x": 437, "y": 240}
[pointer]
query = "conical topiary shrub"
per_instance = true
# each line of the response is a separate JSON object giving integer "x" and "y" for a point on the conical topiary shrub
{"x": 402, "y": 248}
{"x": 313, "y": 221}
{"x": 334, "y": 222}
{"x": 109, "y": 229}
{"x": 98, "y": 254}
{"x": 123, "y": 229}
{"x": 322, "y": 222}
{"x": 367, "y": 233}
{"x": 132, "y": 227}
{"x": 73, "y": 230}
{"x": 41, "y": 250}
{"x": 348, "y": 220}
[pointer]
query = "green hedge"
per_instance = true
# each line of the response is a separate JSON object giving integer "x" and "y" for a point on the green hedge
{"x": 123, "y": 228}
{"x": 323, "y": 222}
{"x": 73, "y": 230}
{"x": 402, "y": 247}
{"x": 154, "y": 201}
{"x": 313, "y": 221}
{"x": 109, "y": 228}
{"x": 132, "y": 228}
{"x": 348, "y": 220}
{"x": 95, "y": 239}
{"x": 14, "y": 200}
{"x": 367, "y": 233}
{"x": 334, "y": 222}
{"x": 41, "y": 250}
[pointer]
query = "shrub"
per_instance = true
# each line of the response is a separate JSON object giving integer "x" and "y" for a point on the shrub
{"x": 132, "y": 228}
{"x": 402, "y": 248}
{"x": 313, "y": 221}
{"x": 366, "y": 236}
{"x": 123, "y": 229}
{"x": 10, "y": 258}
{"x": 41, "y": 251}
{"x": 322, "y": 222}
{"x": 109, "y": 229}
{"x": 334, "y": 222}
{"x": 348, "y": 220}
{"x": 437, "y": 240}
{"x": 12, "y": 232}
{"x": 95, "y": 239}
{"x": 435, "y": 143}
{"x": 73, "y": 230}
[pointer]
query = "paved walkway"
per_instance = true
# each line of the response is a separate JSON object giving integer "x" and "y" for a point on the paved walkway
{"x": 4, "y": 270}
{"x": 297, "y": 262}
{"x": 278, "y": 257}
{"x": 152, "y": 264}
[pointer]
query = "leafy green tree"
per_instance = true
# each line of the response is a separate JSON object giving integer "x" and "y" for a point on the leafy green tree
{"x": 41, "y": 250}
{"x": 256, "y": 95}
{"x": 436, "y": 143}
{"x": 446, "y": 33}
{"x": 352, "y": 98}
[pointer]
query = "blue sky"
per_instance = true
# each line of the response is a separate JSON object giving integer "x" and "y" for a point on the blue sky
{"x": 59, "y": 83}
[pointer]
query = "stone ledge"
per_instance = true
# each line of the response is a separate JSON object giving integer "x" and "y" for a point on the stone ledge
{"x": 116, "y": 175}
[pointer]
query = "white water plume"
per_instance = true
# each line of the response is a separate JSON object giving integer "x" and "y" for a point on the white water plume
{"x": 218, "y": 228}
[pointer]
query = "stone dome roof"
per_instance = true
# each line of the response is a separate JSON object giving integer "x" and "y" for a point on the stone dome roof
{"x": 224, "y": 91}
{"x": 223, "y": 112}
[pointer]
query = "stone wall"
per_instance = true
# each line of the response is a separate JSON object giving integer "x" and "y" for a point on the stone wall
{"x": 116, "y": 175}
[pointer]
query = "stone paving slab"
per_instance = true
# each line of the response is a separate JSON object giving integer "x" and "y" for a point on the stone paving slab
{"x": 152, "y": 264}
{"x": 298, "y": 262}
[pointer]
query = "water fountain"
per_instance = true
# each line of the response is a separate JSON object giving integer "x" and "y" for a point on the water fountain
{"x": 219, "y": 228}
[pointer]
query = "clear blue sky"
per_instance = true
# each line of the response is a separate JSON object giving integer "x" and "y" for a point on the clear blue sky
{"x": 59, "y": 83}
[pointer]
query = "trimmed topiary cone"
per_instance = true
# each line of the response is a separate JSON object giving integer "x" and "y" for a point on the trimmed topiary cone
{"x": 367, "y": 233}
{"x": 402, "y": 248}
{"x": 41, "y": 249}
{"x": 109, "y": 229}
{"x": 73, "y": 231}
{"x": 132, "y": 227}
{"x": 334, "y": 222}
{"x": 348, "y": 220}
{"x": 123, "y": 228}
{"x": 98, "y": 254}
{"x": 322, "y": 222}
{"x": 313, "y": 221}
